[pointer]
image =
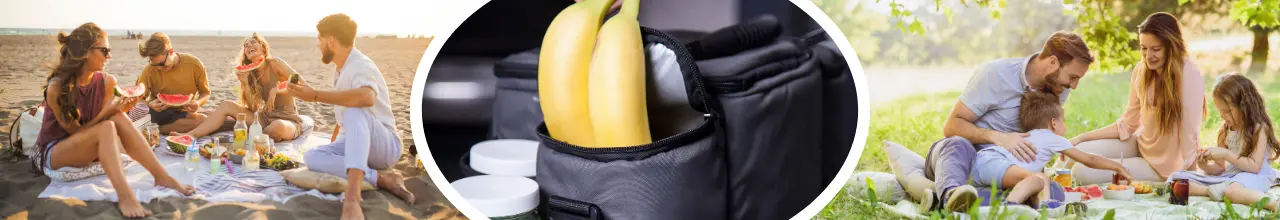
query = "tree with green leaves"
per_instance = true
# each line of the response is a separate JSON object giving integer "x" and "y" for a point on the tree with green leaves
{"x": 1109, "y": 26}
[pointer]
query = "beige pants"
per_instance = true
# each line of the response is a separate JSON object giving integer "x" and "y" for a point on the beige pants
{"x": 1125, "y": 152}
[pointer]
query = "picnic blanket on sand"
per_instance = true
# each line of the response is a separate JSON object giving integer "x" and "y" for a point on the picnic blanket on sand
{"x": 240, "y": 186}
{"x": 894, "y": 201}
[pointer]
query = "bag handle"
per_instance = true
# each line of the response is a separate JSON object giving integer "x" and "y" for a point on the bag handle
{"x": 560, "y": 208}
{"x": 755, "y": 33}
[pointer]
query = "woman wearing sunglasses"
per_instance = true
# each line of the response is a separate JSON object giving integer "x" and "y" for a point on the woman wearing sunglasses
{"x": 84, "y": 121}
{"x": 259, "y": 74}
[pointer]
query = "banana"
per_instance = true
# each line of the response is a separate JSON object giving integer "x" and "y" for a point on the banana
{"x": 562, "y": 71}
{"x": 616, "y": 85}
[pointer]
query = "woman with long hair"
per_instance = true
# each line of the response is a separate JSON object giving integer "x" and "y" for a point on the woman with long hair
{"x": 83, "y": 119}
{"x": 1158, "y": 134}
{"x": 258, "y": 78}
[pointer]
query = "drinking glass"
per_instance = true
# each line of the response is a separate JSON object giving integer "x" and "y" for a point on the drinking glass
{"x": 152, "y": 133}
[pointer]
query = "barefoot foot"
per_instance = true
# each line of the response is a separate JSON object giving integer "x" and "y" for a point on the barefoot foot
{"x": 394, "y": 183}
{"x": 170, "y": 182}
{"x": 130, "y": 208}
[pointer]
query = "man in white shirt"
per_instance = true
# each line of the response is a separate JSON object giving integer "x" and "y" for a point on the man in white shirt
{"x": 367, "y": 142}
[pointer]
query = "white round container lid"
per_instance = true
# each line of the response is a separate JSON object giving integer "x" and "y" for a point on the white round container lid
{"x": 498, "y": 196}
{"x": 514, "y": 157}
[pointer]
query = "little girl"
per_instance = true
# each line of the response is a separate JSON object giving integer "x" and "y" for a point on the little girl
{"x": 1240, "y": 167}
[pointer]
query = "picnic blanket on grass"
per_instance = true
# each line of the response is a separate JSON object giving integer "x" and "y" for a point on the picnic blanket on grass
{"x": 239, "y": 186}
{"x": 894, "y": 201}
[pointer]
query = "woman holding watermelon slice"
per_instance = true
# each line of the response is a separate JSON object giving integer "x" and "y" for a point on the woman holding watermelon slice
{"x": 83, "y": 120}
{"x": 260, "y": 74}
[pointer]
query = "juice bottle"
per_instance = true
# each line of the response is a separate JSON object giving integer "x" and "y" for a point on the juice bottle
{"x": 1063, "y": 178}
{"x": 241, "y": 131}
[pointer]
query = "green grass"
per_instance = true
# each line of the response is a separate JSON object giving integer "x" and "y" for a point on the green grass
{"x": 916, "y": 122}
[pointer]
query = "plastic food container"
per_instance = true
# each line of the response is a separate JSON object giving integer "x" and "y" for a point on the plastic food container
{"x": 501, "y": 197}
{"x": 508, "y": 157}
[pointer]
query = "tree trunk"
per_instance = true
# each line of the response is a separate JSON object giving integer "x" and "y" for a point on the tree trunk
{"x": 1261, "y": 45}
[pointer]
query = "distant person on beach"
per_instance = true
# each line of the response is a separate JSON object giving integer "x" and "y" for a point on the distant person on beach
{"x": 170, "y": 72}
{"x": 367, "y": 145}
{"x": 83, "y": 120}
{"x": 259, "y": 95}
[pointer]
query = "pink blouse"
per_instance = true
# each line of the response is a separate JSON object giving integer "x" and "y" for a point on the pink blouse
{"x": 1166, "y": 152}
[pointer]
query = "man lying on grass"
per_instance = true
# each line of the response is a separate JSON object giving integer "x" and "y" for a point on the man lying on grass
{"x": 1042, "y": 116}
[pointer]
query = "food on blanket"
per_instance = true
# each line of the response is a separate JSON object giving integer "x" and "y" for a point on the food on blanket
{"x": 175, "y": 99}
{"x": 277, "y": 162}
{"x": 1092, "y": 192}
{"x": 1077, "y": 208}
{"x": 1180, "y": 192}
{"x": 327, "y": 183}
{"x": 240, "y": 152}
{"x": 1118, "y": 192}
{"x": 250, "y": 67}
{"x": 179, "y": 144}
{"x": 295, "y": 78}
{"x": 1142, "y": 188}
{"x": 1063, "y": 177}
{"x": 131, "y": 92}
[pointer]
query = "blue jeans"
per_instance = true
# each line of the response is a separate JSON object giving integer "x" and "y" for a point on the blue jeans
{"x": 949, "y": 163}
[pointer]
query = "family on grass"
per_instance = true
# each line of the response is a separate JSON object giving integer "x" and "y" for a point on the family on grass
{"x": 84, "y": 121}
{"x": 1009, "y": 122}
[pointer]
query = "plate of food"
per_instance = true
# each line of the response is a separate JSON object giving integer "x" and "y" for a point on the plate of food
{"x": 1118, "y": 192}
{"x": 278, "y": 162}
{"x": 177, "y": 145}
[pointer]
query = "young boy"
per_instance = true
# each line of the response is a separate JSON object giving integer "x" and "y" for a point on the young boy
{"x": 1041, "y": 116}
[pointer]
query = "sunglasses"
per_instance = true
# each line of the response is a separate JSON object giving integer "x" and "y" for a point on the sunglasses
{"x": 106, "y": 51}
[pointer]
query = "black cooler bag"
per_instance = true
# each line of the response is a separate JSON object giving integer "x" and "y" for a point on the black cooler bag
{"x": 765, "y": 124}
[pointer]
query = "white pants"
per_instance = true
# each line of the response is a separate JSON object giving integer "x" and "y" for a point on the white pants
{"x": 363, "y": 144}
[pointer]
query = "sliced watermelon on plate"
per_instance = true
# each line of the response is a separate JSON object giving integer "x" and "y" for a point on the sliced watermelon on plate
{"x": 179, "y": 144}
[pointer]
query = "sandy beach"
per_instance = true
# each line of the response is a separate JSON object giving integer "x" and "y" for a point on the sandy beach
{"x": 22, "y": 73}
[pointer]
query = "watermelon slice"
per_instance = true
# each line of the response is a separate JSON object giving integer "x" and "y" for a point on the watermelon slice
{"x": 282, "y": 86}
{"x": 179, "y": 144}
{"x": 131, "y": 92}
{"x": 250, "y": 67}
{"x": 175, "y": 99}
{"x": 1093, "y": 191}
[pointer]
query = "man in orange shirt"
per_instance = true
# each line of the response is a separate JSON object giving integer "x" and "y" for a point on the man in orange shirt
{"x": 169, "y": 72}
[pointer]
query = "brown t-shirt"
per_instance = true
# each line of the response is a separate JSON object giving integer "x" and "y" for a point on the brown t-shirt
{"x": 186, "y": 77}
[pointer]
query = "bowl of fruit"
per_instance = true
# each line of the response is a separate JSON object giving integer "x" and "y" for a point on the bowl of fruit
{"x": 1118, "y": 192}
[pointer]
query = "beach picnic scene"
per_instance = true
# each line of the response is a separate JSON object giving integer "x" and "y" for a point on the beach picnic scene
{"x": 114, "y": 123}
{"x": 1087, "y": 109}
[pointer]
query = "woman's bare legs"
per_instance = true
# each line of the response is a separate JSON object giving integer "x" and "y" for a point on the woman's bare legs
{"x": 216, "y": 118}
{"x": 281, "y": 130}
{"x": 136, "y": 147}
{"x": 98, "y": 142}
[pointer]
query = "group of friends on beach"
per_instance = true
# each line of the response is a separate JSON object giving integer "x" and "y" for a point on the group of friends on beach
{"x": 1009, "y": 122}
{"x": 84, "y": 120}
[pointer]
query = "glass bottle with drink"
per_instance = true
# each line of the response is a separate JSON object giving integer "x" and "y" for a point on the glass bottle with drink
{"x": 241, "y": 130}
{"x": 255, "y": 130}
{"x": 251, "y": 155}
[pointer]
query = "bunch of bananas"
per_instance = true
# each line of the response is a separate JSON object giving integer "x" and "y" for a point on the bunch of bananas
{"x": 591, "y": 78}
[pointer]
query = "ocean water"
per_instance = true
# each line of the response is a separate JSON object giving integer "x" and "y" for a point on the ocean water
{"x": 145, "y": 32}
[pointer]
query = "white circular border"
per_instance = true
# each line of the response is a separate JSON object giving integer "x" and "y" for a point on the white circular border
{"x": 824, "y": 21}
